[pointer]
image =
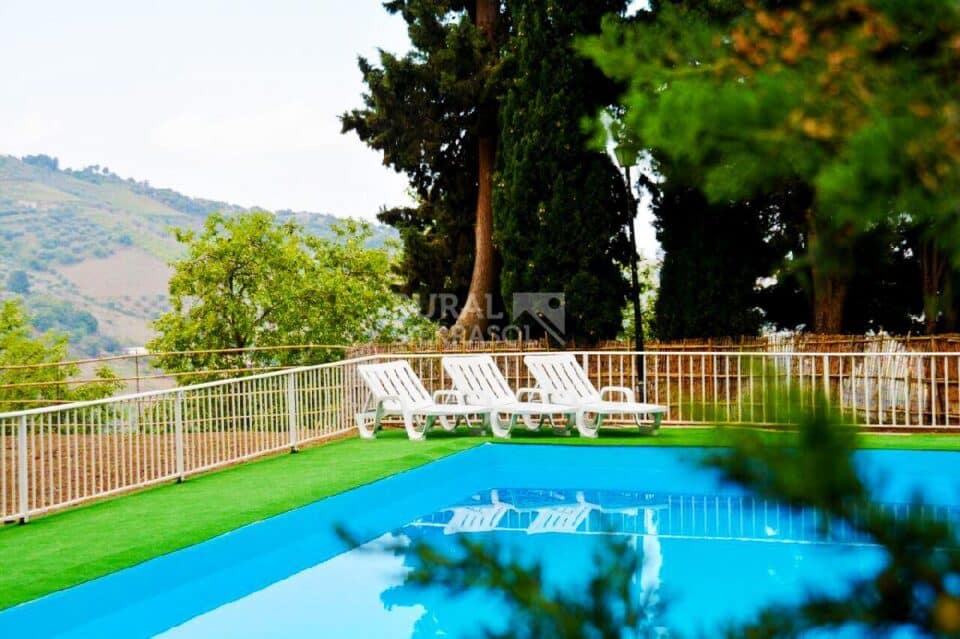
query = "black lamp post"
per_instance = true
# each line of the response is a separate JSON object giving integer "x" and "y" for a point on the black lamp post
{"x": 627, "y": 157}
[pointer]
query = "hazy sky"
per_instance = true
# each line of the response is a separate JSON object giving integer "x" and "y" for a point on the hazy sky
{"x": 235, "y": 100}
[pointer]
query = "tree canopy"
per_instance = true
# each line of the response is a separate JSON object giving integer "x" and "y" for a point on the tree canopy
{"x": 249, "y": 282}
{"x": 560, "y": 206}
{"x": 27, "y": 378}
{"x": 421, "y": 111}
{"x": 477, "y": 93}
{"x": 856, "y": 102}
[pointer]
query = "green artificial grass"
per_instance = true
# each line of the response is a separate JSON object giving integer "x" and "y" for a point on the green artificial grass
{"x": 67, "y": 548}
{"x": 77, "y": 545}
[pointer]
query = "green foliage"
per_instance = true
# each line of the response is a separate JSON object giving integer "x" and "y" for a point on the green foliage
{"x": 559, "y": 207}
{"x": 421, "y": 112}
{"x": 42, "y": 161}
{"x": 713, "y": 256}
{"x": 648, "y": 272}
{"x": 249, "y": 282}
{"x": 80, "y": 327}
{"x": 854, "y": 101}
{"x": 857, "y": 99}
{"x": 815, "y": 468}
{"x": 25, "y": 381}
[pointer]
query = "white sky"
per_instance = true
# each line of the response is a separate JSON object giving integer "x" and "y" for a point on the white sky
{"x": 235, "y": 100}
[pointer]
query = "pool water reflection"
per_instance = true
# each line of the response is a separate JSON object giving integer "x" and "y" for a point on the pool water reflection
{"x": 703, "y": 561}
{"x": 706, "y": 553}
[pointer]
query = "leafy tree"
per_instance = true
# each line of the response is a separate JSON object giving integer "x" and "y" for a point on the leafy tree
{"x": 856, "y": 101}
{"x": 18, "y": 283}
{"x": 79, "y": 327}
{"x": 560, "y": 207}
{"x": 42, "y": 161}
{"x": 714, "y": 255}
{"x": 26, "y": 378}
{"x": 648, "y": 276}
{"x": 433, "y": 115}
{"x": 248, "y": 282}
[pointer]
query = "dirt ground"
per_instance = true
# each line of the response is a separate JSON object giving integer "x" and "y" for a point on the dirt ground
{"x": 64, "y": 468}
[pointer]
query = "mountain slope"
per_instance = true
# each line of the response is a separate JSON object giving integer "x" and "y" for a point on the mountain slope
{"x": 91, "y": 243}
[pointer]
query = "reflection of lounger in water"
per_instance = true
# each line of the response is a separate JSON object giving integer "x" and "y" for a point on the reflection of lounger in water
{"x": 479, "y": 518}
{"x": 550, "y": 511}
{"x": 562, "y": 518}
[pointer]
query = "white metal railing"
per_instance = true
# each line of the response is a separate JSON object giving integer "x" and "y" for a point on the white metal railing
{"x": 58, "y": 456}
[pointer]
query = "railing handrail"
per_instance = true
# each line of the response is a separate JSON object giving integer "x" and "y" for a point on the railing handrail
{"x": 356, "y": 360}
{"x": 177, "y": 389}
{"x": 155, "y": 354}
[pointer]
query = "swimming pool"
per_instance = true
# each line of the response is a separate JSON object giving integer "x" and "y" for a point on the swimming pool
{"x": 708, "y": 551}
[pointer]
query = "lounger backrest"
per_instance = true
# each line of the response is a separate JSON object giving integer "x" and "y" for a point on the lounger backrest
{"x": 561, "y": 375}
{"x": 394, "y": 379}
{"x": 477, "y": 374}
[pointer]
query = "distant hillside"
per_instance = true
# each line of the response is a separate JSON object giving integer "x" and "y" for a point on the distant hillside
{"x": 88, "y": 250}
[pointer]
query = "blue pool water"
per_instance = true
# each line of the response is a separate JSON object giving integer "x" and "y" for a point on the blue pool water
{"x": 708, "y": 553}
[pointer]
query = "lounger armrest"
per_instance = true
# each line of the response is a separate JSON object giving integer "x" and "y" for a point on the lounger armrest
{"x": 531, "y": 392}
{"x": 479, "y": 398}
{"x": 621, "y": 390}
{"x": 394, "y": 398}
{"x": 565, "y": 399}
{"x": 455, "y": 394}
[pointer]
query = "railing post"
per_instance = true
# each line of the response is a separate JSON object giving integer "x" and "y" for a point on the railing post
{"x": 22, "y": 475}
{"x": 178, "y": 433}
{"x": 826, "y": 378}
{"x": 292, "y": 410}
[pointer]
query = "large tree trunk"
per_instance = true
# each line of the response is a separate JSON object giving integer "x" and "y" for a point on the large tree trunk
{"x": 474, "y": 319}
{"x": 829, "y": 296}
{"x": 829, "y": 278}
{"x": 936, "y": 293}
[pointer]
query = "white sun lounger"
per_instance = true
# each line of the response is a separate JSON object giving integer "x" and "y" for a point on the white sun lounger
{"x": 564, "y": 381}
{"x": 396, "y": 390}
{"x": 482, "y": 383}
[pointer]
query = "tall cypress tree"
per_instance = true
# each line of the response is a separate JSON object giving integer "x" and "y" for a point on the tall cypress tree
{"x": 432, "y": 114}
{"x": 559, "y": 206}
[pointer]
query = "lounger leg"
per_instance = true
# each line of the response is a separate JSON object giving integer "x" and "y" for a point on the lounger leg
{"x": 652, "y": 429}
{"x": 486, "y": 422}
{"x": 497, "y": 425}
{"x": 365, "y": 432}
{"x": 530, "y": 425}
{"x": 585, "y": 428}
{"x": 362, "y": 417}
{"x": 412, "y": 433}
{"x": 445, "y": 424}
